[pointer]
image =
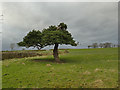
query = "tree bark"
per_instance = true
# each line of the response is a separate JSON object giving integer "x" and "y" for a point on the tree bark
{"x": 38, "y": 48}
{"x": 55, "y": 53}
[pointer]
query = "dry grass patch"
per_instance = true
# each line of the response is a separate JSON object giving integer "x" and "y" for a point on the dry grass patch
{"x": 86, "y": 73}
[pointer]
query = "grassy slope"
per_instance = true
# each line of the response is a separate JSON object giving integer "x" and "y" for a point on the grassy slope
{"x": 87, "y": 68}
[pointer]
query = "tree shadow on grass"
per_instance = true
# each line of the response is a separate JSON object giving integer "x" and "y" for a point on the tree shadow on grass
{"x": 48, "y": 60}
{"x": 62, "y": 60}
{"x": 71, "y": 60}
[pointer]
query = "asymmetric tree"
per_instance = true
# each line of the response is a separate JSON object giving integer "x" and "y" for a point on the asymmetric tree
{"x": 53, "y": 35}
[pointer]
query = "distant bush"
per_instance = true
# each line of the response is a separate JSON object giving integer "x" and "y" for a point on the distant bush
{"x": 10, "y": 55}
{"x": 28, "y": 53}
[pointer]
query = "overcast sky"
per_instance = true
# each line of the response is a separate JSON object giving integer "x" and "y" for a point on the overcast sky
{"x": 88, "y": 22}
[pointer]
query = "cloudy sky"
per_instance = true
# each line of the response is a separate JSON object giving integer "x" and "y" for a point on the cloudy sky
{"x": 88, "y": 22}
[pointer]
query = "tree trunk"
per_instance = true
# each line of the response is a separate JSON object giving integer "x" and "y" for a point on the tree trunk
{"x": 55, "y": 53}
{"x": 38, "y": 47}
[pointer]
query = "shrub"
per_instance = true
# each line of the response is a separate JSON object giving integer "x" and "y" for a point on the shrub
{"x": 10, "y": 55}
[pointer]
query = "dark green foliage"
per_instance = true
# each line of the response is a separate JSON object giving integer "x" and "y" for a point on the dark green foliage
{"x": 59, "y": 36}
{"x": 21, "y": 44}
{"x": 62, "y": 26}
{"x": 33, "y": 38}
{"x": 50, "y": 36}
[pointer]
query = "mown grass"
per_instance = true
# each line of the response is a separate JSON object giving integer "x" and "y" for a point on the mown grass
{"x": 82, "y": 68}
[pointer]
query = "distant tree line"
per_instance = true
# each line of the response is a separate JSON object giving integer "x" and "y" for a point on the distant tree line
{"x": 103, "y": 45}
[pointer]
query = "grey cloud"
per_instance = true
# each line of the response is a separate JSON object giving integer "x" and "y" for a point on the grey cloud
{"x": 88, "y": 22}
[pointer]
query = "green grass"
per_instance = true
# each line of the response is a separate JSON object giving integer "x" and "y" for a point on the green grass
{"x": 82, "y": 68}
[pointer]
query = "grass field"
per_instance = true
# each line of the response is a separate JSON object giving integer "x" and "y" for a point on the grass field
{"x": 82, "y": 68}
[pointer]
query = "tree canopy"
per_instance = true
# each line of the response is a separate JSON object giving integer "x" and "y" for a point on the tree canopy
{"x": 32, "y": 39}
{"x": 56, "y": 35}
{"x": 53, "y": 35}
